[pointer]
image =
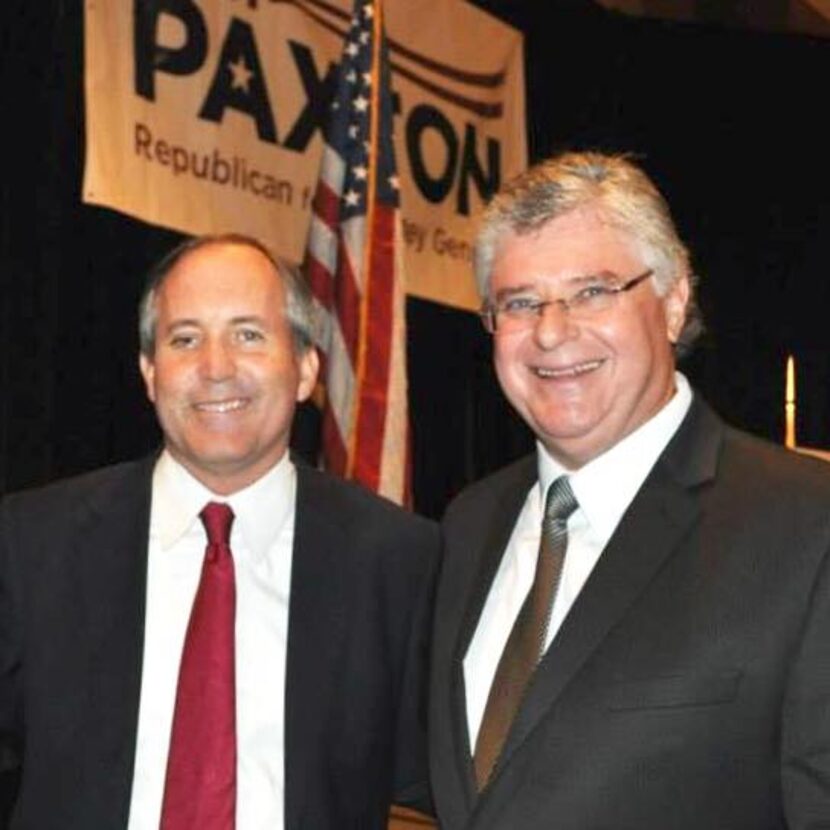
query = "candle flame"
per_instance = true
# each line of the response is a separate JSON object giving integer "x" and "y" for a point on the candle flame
{"x": 789, "y": 396}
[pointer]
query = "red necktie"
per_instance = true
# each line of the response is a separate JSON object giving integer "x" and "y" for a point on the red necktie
{"x": 200, "y": 786}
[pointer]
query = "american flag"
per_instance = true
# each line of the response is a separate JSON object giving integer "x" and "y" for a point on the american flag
{"x": 355, "y": 269}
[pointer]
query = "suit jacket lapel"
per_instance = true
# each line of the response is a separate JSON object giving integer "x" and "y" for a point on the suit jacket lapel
{"x": 655, "y": 524}
{"x": 497, "y": 526}
{"x": 495, "y": 534}
{"x": 111, "y": 553}
{"x": 315, "y": 606}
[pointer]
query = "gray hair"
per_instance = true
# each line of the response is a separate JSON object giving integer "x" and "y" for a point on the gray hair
{"x": 299, "y": 309}
{"x": 619, "y": 191}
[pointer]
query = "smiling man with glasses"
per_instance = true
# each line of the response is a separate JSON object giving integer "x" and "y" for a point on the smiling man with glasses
{"x": 632, "y": 624}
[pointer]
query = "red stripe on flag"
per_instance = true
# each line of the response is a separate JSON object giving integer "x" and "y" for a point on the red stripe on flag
{"x": 326, "y": 205}
{"x": 371, "y": 415}
{"x": 320, "y": 281}
{"x": 347, "y": 303}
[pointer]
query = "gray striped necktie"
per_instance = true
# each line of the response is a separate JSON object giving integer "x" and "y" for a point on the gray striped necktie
{"x": 526, "y": 642}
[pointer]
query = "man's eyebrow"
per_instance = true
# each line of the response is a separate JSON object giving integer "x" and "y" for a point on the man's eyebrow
{"x": 184, "y": 322}
{"x": 515, "y": 289}
{"x": 595, "y": 276}
{"x": 248, "y": 318}
{"x": 192, "y": 322}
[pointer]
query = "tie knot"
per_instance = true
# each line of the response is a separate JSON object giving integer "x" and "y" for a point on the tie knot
{"x": 560, "y": 501}
{"x": 217, "y": 519}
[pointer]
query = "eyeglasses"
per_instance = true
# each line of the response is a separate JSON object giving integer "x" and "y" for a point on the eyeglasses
{"x": 521, "y": 311}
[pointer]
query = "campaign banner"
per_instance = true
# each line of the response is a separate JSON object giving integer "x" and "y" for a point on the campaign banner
{"x": 206, "y": 116}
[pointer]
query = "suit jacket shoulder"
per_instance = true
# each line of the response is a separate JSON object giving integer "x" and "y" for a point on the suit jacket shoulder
{"x": 772, "y": 462}
{"x": 40, "y": 508}
{"x": 717, "y": 464}
{"x": 357, "y": 513}
{"x": 492, "y": 494}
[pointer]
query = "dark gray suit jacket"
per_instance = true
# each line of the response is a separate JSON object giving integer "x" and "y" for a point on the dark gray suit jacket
{"x": 72, "y": 587}
{"x": 689, "y": 687}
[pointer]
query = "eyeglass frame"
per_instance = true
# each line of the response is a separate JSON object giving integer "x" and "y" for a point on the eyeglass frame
{"x": 488, "y": 312}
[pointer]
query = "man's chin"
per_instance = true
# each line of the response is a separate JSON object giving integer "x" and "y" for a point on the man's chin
{"x": 217, "y": 463}
{"x": 574, "y": 446}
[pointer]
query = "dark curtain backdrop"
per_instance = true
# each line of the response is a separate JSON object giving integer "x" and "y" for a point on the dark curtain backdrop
{"x": 732, "y": 124}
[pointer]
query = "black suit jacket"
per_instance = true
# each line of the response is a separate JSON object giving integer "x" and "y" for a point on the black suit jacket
{"x": 72, "y": 587}
{"x": 689, "y": 686}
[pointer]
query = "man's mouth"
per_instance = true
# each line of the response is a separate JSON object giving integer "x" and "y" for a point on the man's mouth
{"x": 220, "y": 407}
{"x": 567, "y": 372}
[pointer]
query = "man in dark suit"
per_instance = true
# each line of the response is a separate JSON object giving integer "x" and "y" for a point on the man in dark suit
{"x": 633, "y": 625}
{"x": 272, "y": 681}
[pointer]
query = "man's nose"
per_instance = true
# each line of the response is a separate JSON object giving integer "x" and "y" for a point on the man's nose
{"x": 554, "y": 325}
{"x": 217, "y": 360}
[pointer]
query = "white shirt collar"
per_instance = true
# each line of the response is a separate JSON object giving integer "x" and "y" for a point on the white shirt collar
{"x": 605, "y": 486}
{"x": 260, "y": 509}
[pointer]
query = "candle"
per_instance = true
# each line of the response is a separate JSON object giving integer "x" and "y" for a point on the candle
{"x": 789, "y": 405}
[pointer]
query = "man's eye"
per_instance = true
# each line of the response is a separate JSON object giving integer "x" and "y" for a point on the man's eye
{"x": 249, "y": 336}
{"x": 182, "y": 341}
{"x": 591, "y": 293}
{"x": 520, "y": 305}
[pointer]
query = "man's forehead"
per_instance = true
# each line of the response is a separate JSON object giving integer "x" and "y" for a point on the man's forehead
{"x": 222, "y": 252}
{"x": 229, "y": 265}
{"x": 571, "y": 247}
{"x": 226, "y": 292}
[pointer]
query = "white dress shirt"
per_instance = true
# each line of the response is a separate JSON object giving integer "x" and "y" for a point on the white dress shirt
{"x": 261, "y": 541}
{"x": 603, "y": 488}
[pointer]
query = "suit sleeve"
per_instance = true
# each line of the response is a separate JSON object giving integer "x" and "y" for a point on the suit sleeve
{"x": 805, "y": 736}
{"x": 411, "y": 782}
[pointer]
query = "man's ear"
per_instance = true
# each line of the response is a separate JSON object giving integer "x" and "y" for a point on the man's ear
{"x": 676, "y": 301}
{"x": 148, "y": 372}
{"x": 309, "y": 366}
